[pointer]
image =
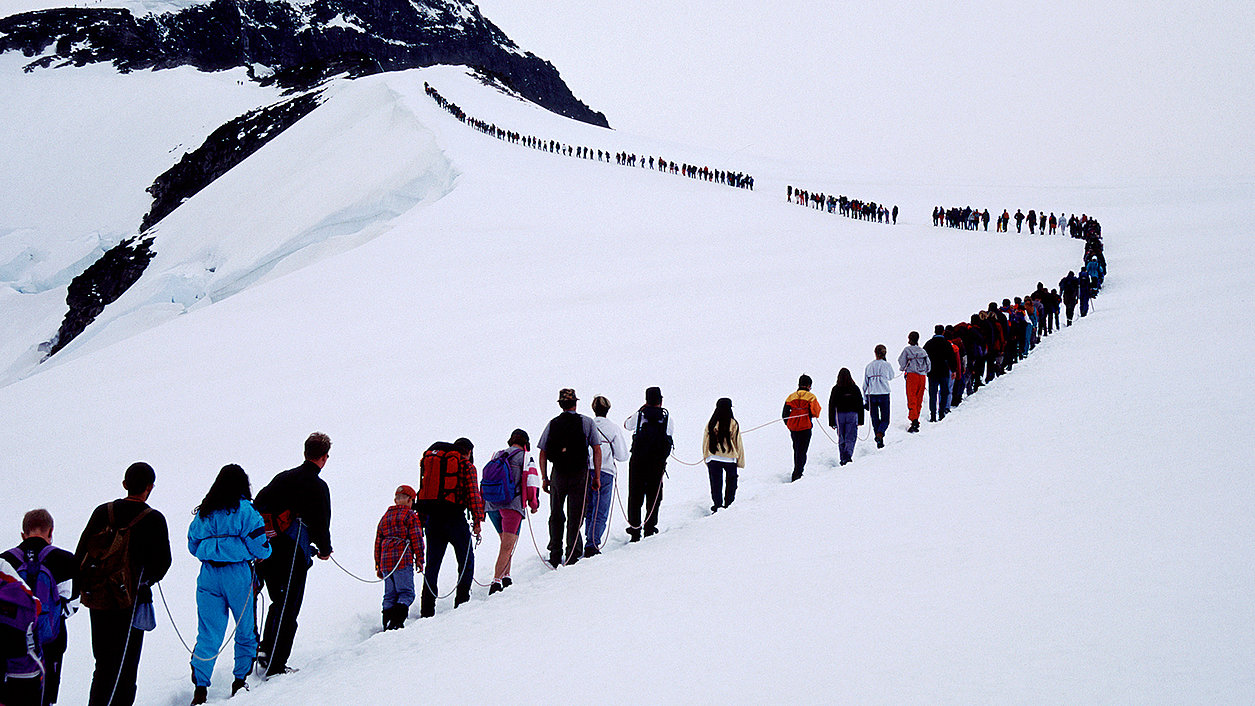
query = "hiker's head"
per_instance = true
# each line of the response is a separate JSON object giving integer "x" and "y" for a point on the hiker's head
{"x": 139, "y": 480}
{"x": 317, "y": 448}
{"x": 37, "y": 523}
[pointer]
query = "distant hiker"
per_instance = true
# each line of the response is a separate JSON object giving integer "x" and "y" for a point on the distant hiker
{"x": 565, "y": 443}
{"x": 985, "y": 218}
{"x": 653, "y": 437}
{"x": 124, "y": 550}
{"x": 723, "y": 453}
{"x": 506, "y": 493}
{"x": 1085, "y": 288}
{"x": 1070, "y": 289}
{"x": 614, "y": 447}
{"x": 876, "y": 377}
{"x": 227, "y": 535}
{"x": 914, "y": 364}
{"x": 1032, "y": 221}
{"x": 799, "y": 409}
{"x": 1053, "y": 309}
{"x": 399, "y": 551}
{"x": 895, "y": 214}
{"x": 49, "y": 572}
{"x": 296, "y": 506}
{"x": 845, "y": 413}
{"x": 447, "y": 491}
{"x": 1019, "y": 220}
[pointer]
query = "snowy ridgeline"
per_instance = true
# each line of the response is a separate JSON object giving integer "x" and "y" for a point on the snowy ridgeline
{"x": 400, "y": 278}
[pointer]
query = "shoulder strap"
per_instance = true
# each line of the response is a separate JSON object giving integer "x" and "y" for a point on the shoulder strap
{"x": 143, "y": 513}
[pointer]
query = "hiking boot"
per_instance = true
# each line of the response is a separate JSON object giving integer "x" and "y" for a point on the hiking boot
{"x": 495, "y": 588}
{"x": 278, "y": 672}
{"x": 591, "y": 551}
{"x": 714, "y": 508}
{"x": 506, "y": 582}
{"x": 460, "y": 599}
{"x": 237, "y": 685}
{"x": 200, "y": 695}
{"x": 932, "y": 418}
{"x": 634, "y": 535}
{"x": 880, "y": 441}
{"x": 914, "y": 427}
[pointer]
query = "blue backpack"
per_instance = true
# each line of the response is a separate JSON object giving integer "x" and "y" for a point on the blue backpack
{"x": 497, "y": 485}
{"x": 33, "y": 570}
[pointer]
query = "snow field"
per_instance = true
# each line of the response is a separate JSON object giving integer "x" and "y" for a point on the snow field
{"x": 1025, "y": 550}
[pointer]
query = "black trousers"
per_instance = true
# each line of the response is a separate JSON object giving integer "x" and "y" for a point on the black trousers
{"x": 722, "y": 494}
{"x": 445, "y": 525}
{"x": 284, "y": 572}
{"x": 801, "y": 444}
{"x": 116, "y": 646}
{"x": 567, "y": 494}
{"x": 644, "y": 488}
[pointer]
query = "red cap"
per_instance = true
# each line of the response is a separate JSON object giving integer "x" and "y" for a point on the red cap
{"x": 407, "y": 491}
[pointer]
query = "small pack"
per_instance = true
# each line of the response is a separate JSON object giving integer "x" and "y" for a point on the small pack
{"x": 105, "y": 577}
{"x": 650, "y": 439}
{"x": 497, "y": 485}
{"x": 32, "y": 568}
{"x": 19, "y": 611}
{"x": 566, "y": 446}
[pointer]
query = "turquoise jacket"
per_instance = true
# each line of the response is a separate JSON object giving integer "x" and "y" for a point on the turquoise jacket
{"x": 229, "y": 536}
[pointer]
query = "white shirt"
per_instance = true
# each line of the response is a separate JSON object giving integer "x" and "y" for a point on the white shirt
{"x": 613, "y": 445}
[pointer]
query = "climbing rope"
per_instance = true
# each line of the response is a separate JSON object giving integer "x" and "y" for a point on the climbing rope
{"x": 385, "y": 578}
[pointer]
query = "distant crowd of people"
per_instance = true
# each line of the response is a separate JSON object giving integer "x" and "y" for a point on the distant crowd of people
{"x": 726, "y": 177}
{"x": 841, "y": 205}
{"x": 968, "y": 218}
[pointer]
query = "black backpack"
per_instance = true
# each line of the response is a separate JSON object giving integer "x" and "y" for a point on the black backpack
{"x": 566, "y": 446}
{"x": 650, "y": 439}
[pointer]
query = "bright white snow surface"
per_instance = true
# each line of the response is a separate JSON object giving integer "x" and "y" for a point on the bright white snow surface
{"x": 1080, "y": 531}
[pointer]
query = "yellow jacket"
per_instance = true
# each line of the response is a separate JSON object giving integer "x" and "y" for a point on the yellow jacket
{"x": 735, "y": 450}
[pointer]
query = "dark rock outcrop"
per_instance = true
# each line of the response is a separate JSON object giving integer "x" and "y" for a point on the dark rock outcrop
{"x": 101, "y": 284}
{"x": 223, "y": 149}
{"x": 364, "y": 36}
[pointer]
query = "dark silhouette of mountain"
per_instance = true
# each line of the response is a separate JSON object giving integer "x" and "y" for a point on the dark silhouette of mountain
{"x": 300, "y": 44}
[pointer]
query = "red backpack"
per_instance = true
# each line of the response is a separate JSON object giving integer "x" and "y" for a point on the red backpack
{"x": 440, "y": 473}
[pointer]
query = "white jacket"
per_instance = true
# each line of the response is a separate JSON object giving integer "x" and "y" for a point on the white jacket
{"x": 876, "y": 378}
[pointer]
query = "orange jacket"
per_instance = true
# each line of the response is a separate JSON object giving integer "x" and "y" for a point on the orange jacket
{"x": 799, "y": 409}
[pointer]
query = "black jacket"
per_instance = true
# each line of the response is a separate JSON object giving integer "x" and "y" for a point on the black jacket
{"x": 150, "y": 542}
{"x": 303, "y": 493}
{"x": 941, "y": 355}
{"x": 849, "y": 399}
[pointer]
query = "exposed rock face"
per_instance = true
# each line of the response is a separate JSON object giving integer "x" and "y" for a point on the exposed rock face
{"x": 361, "y": 36}
{"x": 223, "y": 149}
{"x": 101, "y": 284}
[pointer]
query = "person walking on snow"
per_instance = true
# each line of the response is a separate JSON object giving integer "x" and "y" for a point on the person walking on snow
{"x": 507, "y": 518}
{"x": 116, "y": 641}
{"x": 914, "y": 363}
{"x": 799, "y": 409}
{"x": 296, "y": 506}
{"x": 565, "y": 443}
{"x": 31, "y": 560}
{"x": 723, "y": 454}
{"x": 845, "y": 413}
{"x": 613, "y": 448}
{"x": 653, "y": 437}
{"x": 398, "y": 552}
{"x": 228, "y": 536}
{"x": 876, "y": 377}
{"x": 449, "y": 490}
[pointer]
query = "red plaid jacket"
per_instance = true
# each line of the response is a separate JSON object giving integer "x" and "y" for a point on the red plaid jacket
{"x": 399, "y": 525}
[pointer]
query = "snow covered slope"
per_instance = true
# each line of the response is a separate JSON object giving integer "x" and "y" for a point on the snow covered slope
{"x": 1056, "y": 540}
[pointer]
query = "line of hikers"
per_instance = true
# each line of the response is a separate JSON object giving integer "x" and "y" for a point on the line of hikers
{"x": 1075, "y": 226}
{"x": 966, "y": 218}
{"x": 850, "y": 208}
{"x": 740, "y": 180}
{"x": 245, "y": 545}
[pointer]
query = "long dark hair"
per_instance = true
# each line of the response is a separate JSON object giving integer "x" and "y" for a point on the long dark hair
{"x": 845, "y": 381}
{"x": 229, "y": 488}
{"x": 720, "y": 425}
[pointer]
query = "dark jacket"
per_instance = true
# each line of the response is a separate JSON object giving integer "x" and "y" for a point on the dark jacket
{"x": 150, "y": 542}
{"x": 303, "y": 493}
{"x": 1069, "y": 288}
{"x": 847, "y": 399}
{"x": 940, "y": 355}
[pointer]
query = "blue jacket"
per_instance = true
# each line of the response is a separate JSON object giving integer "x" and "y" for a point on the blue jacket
{"x": 229, "y": 536}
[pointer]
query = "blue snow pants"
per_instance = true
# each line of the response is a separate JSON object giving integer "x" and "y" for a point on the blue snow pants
{"x": 220, "y": 588}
